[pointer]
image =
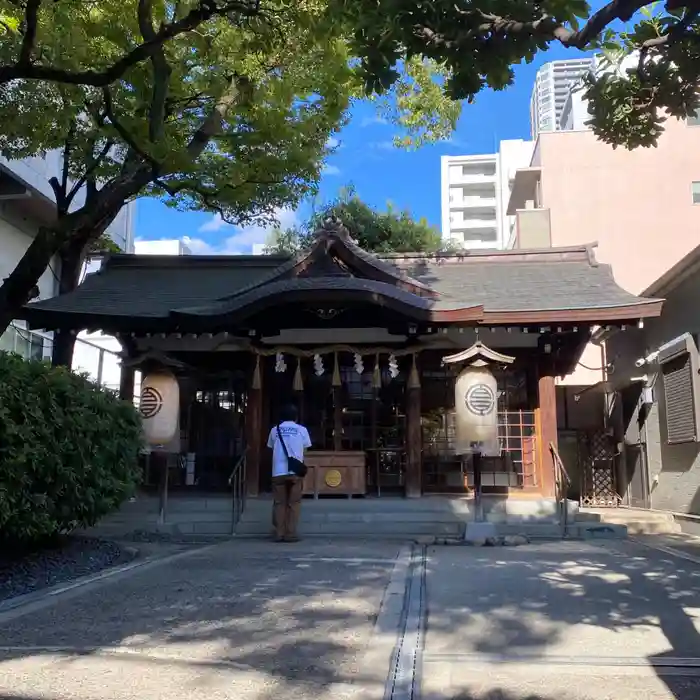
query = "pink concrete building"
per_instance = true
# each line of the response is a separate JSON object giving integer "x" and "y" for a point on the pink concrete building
{"x": 641, "y": 206}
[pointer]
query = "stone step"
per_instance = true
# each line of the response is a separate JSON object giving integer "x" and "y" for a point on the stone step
{"x": 636, "y": 521}
{"x": 360, "y": 529}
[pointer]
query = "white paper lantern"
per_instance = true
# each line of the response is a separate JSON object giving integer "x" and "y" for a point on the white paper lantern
{"x": 318, "y": 365}
{"x": 160, "y": 407}
{"x": 476, "y": 412}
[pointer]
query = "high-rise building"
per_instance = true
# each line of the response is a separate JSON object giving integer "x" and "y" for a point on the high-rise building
{"x": 475, "y": 194}
{"x": 551, "y": 89}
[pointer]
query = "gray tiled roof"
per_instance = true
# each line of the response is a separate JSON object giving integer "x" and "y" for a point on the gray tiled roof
{"x": 153, "y": 287}
{"x": 500, "y": 284}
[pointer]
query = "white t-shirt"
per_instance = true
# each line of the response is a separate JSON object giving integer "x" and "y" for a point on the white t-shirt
{"x": 296, "y": 438}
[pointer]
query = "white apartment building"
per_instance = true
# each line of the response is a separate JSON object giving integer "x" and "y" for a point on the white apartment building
{"x": 475, "y": 190}
{"x": 574, "y": 114}
{"x": 551, "y": 90}
{"x": 26, "y": 203}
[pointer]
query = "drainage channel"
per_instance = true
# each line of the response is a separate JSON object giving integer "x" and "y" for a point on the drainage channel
{"x": 403, "y": 682}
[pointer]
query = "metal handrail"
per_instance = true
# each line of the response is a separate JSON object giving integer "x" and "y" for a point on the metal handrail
{"x": 237, "y": 482}
{"x": 563, "y": 482}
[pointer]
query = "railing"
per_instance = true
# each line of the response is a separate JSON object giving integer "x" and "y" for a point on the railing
{"x": 237, "y": 482}
{"x": 562, "y": 482}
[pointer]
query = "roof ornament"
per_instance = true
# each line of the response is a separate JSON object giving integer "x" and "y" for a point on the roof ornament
{"x": 333, "y": 226}
{"x": 478, "y": 355}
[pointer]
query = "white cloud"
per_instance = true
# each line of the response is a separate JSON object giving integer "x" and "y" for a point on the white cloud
{"x": 383, "y": 145}
{"x": 242, "y": 239}
{"x": 369, "y": 121}
{"x": 214, "y": 224}
{"x": 332, "y": 142}
{"x": 331, "y": 170}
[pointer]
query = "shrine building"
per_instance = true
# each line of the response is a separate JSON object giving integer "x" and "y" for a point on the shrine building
{"x": 367, "y": 346}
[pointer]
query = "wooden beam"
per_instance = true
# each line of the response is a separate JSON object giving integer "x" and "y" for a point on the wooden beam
{"x": 337, "y": 419}
{"x": 414, "y": 444}
{"x": 255, "y": 435}
{"x": 126, "y": 383}
{"x": 546, "y": 389}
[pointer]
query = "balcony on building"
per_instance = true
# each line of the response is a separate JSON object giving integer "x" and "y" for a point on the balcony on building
{"x": 473, "y": 173}
{"x": 532, "y": 227}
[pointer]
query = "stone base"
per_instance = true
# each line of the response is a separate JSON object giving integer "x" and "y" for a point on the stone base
{"x": 479, "y": 533}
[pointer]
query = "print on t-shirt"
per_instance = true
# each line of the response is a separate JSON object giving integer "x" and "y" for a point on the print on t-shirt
{"x": 296, "y": 438}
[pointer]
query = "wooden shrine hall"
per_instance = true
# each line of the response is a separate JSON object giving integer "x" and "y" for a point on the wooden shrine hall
{"x": 358, "y": 342}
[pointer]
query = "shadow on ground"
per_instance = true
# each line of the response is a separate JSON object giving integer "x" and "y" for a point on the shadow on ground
{"x": 572, "y": 604}
{"x": 254, "y": 620}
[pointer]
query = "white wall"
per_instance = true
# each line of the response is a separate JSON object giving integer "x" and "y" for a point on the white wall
{"x": 512, "y": 155}
{"x": 15, "y": 237}
{"x": 35, "y": 174}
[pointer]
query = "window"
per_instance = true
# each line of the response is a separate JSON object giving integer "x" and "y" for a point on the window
{"x": 25, "y": 343}
{"x": 679, "y": 370}
{"x": 694, "y": 119}
{"x": 695, "y": 188}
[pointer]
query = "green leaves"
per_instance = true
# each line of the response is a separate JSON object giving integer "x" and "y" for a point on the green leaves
{"x": 68, "y": 451}
{"x": 390, "y": 231}
{"x": 476, "y": 43}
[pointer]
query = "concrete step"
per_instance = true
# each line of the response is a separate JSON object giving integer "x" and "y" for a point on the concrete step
{"x": 636, "y": 521}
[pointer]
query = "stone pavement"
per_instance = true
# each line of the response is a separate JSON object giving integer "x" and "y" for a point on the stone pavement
{"x": 251, "y": 620}
{"x": 562, "y": 621}
{"x": 245, "y": 620}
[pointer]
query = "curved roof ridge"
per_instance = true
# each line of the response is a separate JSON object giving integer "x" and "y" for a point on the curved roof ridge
{"x": 330, "y": 233}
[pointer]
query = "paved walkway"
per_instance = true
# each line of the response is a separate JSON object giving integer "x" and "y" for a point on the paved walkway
{"x": 253, "y": 620}
{"x": 244, "y": 620}
{"x": 562, "y": 621}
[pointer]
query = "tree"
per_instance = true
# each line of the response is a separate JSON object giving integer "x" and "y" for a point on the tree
{"x": 390, "y": 231}
{"x": 478, "y": 42}
{"x": 232, "y": 118}
{"x": 78, "y": 43}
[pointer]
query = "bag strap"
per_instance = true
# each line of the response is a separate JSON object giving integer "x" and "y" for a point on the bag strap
{"x": 284, "y": 445}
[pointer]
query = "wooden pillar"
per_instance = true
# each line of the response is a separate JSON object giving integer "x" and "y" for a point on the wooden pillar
{"x": 126, "y": 384}
{"x": 254, "y": 431}
{"x": 414, "y": 437}
{"x": 546, "y": 389}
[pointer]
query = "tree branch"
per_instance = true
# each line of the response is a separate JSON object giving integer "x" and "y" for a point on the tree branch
{"x": 212, "y": 124}
{"x": 161, "y": 73}
{"x": 126, "y": 136}
{"x": 476, "y": 22}
{"x": 31, "y": 16}
{"x": 205, "y": 10}
{"x": 92, "y": 165}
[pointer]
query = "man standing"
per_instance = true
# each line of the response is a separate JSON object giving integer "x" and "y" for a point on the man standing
{"x": 287, "y": 487}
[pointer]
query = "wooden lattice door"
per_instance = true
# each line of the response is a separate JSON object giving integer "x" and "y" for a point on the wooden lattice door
{"x": 599, "y": 484}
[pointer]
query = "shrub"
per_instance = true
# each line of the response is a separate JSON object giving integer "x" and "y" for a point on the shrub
{"x": 68, "y": 451}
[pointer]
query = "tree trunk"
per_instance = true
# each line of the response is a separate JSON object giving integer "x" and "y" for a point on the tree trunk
{"x": 71, "y": 264}
{"x": 17, "y": 287}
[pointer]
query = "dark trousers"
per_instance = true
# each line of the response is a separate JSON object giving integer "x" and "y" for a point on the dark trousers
{"x": 286, "y": 491}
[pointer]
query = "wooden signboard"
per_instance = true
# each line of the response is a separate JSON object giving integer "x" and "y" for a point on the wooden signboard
{"x": 335, "y": 474}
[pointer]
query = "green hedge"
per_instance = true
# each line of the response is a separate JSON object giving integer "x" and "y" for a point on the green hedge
{"x": 68, "y": 451}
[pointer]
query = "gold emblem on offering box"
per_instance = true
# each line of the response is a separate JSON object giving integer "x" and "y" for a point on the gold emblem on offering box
{"x": 333, "y": 478}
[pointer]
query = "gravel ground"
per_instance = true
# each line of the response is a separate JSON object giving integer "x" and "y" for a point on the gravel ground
{"x": 73, "y": 558}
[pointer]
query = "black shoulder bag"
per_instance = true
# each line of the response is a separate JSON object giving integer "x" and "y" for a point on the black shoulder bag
{"x": 296, "y": 466}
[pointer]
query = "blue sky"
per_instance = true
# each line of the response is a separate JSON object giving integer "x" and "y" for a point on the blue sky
{"x": 367, "y": 160}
